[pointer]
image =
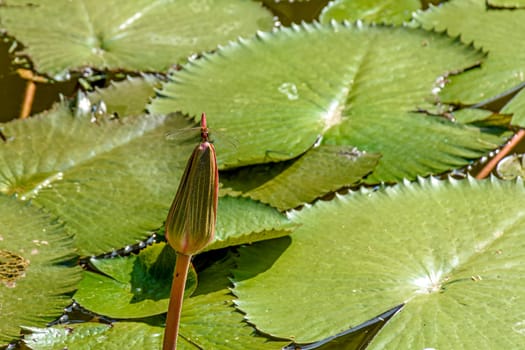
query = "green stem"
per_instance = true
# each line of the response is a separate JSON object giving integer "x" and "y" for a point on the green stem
{"x": 177, "y": 295}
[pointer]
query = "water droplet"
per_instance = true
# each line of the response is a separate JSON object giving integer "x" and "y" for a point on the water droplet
{"x": 290, "y": 90}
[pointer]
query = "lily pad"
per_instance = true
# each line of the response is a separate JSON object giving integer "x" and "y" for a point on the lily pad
{"x": 441, "y": 247}
{"x": 471, "y": 115}
{"x": 501, "y": 35}
{"x": 289, "y": 184}
{"x": 209, "y": 318}
{"x": 357, "y": 337}
{"x": 482, "y": 117}
{"x": 135, "y": 286}
{"x": 90, "y": 335}
{"x": 127, "y": 97}
{"x": 112, "y": 181}
{"x": 516, "y": 106}
{"x": 209, "y": 321}
{"x": 36, "y": 279}
{"x": 384, "y": 11}
{"x": 242, "y": 220}
{"x": 138, "y": 35}
{"x": 108, "y": 181}
{"x": 366, "y": 80}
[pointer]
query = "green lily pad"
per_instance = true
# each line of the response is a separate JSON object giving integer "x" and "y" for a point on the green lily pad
{"x": 125, "y": 35}
{"x": 452, "y": 251}
{"x": 289, "y": 184}
{"x": 35, "y": 278}
{"x": 242, "y": 220}
{"x": 516, "y": 106}
{"x": 471, "y": 115}
{"x": 209, "y": 321}
{"x": 111, "y": 182}
{"x": 127, "y": 97}
{"x": 357, "y": 337}
{"x": 384, "y": 11}
{"x": 365, "y": 84}
{"x": 90, "y": 335}
{"x": 501, "y": 35}
{"x": 135, "y": 286}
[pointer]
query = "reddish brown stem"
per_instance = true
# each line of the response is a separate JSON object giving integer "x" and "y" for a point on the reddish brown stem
{"x": 175, "y": 307}
{"x": 28, "y": 99}
{"x": 487, "y": 169}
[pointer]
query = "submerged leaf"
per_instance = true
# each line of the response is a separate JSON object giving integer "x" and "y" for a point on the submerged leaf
{"x": 258, "y": 93}
{"x": 140, "y": 35}
{"x": 451, "y": 251}
{"x": 35, "y": 278}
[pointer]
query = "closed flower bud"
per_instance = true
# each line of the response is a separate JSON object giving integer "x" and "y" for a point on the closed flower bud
{"x": 190, "y": 225}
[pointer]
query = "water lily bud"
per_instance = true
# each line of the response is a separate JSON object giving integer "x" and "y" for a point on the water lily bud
{"x": 190, "y": 225}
